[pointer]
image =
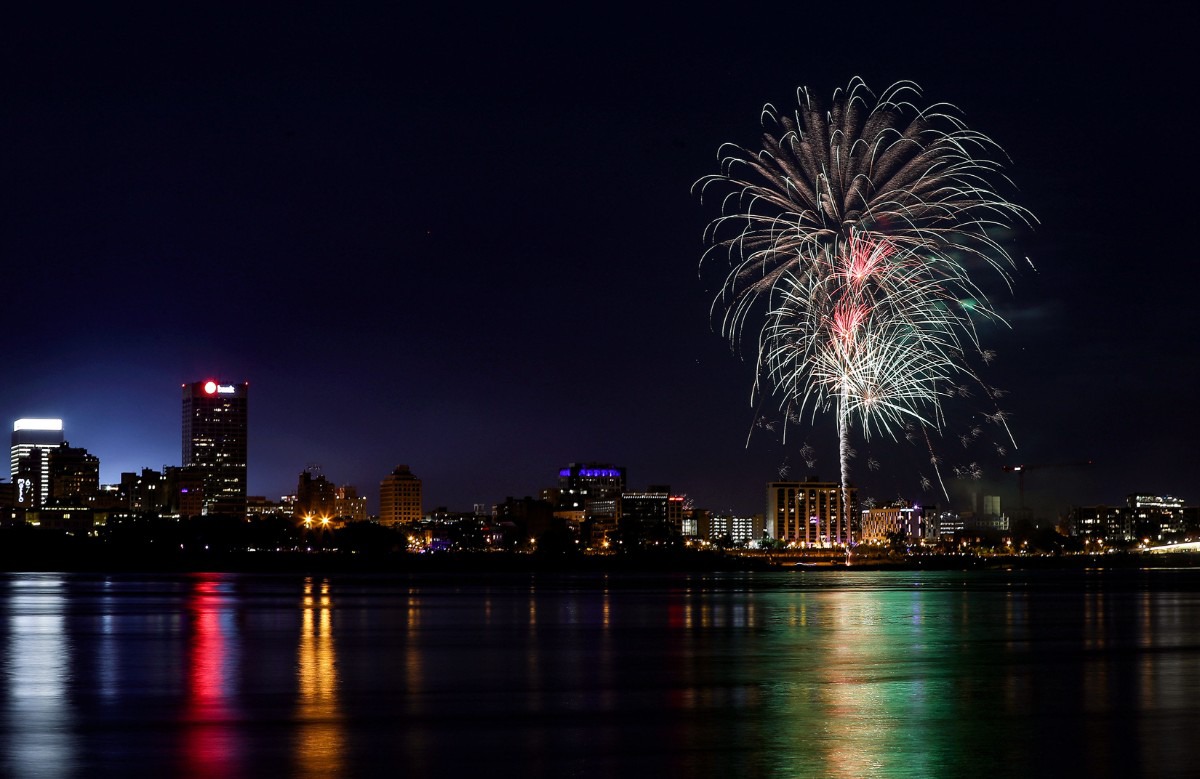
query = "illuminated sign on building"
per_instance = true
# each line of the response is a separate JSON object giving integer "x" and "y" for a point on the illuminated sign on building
{"x": 212, "y": 388}
{"x": 34, "y": 438}
{"x": 37, "y": 424}
{"x": 214, "y": 443}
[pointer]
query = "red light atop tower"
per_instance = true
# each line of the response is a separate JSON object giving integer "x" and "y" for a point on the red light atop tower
{"x": 210, "y": 387}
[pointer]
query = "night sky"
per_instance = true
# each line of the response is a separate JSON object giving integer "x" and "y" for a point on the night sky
{"x": 468, "y": 242}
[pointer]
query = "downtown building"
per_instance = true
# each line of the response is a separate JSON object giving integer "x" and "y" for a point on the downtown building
{"x": 29, "y": 461}
{"x": 74, "y": 476}
{"x": 400, "y": 498}
{"x": 320, "y": 500}
{"x": 882, "y": 523}
{"x": 1146, "y": 519}
{"x": 653, "y": 515}
{"x": 728, "y": 528}
{"x": 589, "y": 499}
{"x": 581, "y": 483}
{"x": 809, "y": 513}
{"x": 214, "y": 444}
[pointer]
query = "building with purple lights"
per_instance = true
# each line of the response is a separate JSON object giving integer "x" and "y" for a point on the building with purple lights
{"x": 579, "y": 483}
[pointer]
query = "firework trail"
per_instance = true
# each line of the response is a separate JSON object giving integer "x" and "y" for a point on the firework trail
{"x": 851, "y": 237}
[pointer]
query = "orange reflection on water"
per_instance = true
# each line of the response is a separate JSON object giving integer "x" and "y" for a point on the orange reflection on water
{"x": 211, "y": 745}
{"x": 320, "y": 738}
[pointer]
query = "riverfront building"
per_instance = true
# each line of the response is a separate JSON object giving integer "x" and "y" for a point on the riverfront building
{"x": 214, "y": 442}
{"x": 74, "y": 476}
{"x": 400, "y": 498}
{"x": 580, "y": 483}
{"x": 809, "y": 513}
{"x": 881, "y": 523}
{"x": 32, "y": 440}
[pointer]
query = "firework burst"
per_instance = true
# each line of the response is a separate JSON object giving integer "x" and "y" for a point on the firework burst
{"x": 851, "y": 237}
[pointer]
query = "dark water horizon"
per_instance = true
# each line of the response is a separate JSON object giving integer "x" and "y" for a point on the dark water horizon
{"x": 774, "y": 674}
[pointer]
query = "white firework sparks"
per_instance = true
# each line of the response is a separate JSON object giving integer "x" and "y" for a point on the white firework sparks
{"x": 854, "y": 227}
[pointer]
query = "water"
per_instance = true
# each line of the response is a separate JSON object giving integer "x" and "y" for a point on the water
{"x": 839, "y": 674}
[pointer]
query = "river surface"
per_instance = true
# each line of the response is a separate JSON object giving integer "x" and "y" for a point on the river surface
{"x": 821, "y": 674}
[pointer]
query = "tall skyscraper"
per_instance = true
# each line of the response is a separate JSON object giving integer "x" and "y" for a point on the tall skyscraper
{"x": 214, "y": 442}
{"x": 400, "y": 498}
{"x": 33, "y": 486}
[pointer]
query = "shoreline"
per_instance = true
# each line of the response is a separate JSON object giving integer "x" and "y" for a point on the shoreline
{"x": 93, "y": 560}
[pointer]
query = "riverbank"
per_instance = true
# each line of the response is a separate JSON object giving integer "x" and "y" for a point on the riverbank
{"x": 81, "y": 556}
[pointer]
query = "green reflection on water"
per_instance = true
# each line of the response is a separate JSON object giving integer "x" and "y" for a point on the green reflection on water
{"x": 882, "y": 682}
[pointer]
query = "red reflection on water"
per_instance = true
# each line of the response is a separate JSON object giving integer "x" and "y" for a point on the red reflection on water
{"x": 210, "y": 747}
{"x": 675, "y": 613}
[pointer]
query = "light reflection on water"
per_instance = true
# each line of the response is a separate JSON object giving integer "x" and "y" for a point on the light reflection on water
{"x": 212, "y": 739}
{"x": 781, "y": 675}
{"x": 320, "y": 730}
{"x": 37, "y": 675}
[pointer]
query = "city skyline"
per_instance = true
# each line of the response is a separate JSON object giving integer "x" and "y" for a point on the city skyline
{"x": 478, "y": 252}
{"x": 374, "y": 491}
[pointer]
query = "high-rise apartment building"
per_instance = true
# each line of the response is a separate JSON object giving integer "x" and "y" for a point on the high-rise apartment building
{"x": 214, "y": 442}
{"x": 400, "y": 498}
{"x": 808, "y": 513}
{"x": 33, "y": 484}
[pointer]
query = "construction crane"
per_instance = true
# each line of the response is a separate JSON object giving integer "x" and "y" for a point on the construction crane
{"x": 1021, "y": 469}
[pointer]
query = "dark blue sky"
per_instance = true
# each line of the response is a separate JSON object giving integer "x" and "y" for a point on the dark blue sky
{"x": 467, "y": 242}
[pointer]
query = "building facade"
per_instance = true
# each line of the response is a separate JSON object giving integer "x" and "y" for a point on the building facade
{"x": 348, "y": 505}
{"x": 74, "y": 476}
{"x": 881, "y": 523}
{"x": 215, "y": 423}
{"x": 726, "y": 528}
{"x": 642, "y": 516}
{"x": 809, "y": 513}
{"x": 400, "y": 498}
{"x": 32, "y": 480}
{"x": 143, "y": 492}
{"x": 317, "y": 497}
{"x": 579, "y": 483}
{"x": 1156, "y": 518}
